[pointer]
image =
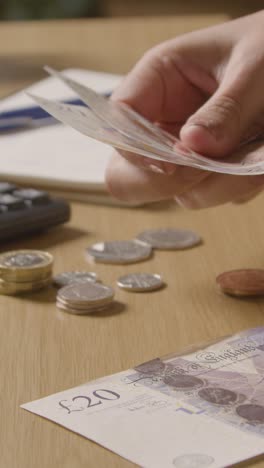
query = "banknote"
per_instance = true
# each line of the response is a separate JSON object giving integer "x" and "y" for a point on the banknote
{"x": 124, "y": 119}
{"x": 120, "y": 126}
{"x": 203, "y": 407}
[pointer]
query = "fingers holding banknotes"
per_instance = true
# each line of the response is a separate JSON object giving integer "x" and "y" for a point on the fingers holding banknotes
{"x": 131, "y": 183}
{"x": 207, "y": 88}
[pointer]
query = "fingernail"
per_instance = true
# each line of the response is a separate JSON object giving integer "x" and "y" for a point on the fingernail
{"x": 160, "y": 167}
{"x": 186, "y": 201}
{"x": 155, "y": 168}
{"x": 193, "y": 131}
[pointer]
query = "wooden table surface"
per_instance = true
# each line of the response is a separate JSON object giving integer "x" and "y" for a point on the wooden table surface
{"x": 42, "y": 349}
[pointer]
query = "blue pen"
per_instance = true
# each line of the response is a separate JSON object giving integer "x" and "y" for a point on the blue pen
{"x": 18, "y": 119}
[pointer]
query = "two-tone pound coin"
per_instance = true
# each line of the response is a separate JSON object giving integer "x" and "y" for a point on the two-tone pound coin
{"x": 10, "y": 288}
{"x": 170, "y": 239}
{"x": 69, "y": 277}
{"x": 140, "y": 282}
{"x": 25, "y": 265}
{"x": 119, "y": 252}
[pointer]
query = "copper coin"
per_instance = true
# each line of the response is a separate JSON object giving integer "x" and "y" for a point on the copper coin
{"x": 246, "y": 282}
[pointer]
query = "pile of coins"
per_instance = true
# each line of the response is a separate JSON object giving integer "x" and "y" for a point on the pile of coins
{"x": 84, "y": 297}
{"x": 79, "y": 292}
{"x": 23, "y": 271}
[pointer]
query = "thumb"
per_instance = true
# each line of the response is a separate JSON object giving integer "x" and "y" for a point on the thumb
{"x": 226, "y": 118}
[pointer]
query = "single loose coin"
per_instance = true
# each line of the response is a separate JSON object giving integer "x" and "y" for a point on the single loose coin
{"x": 25, "y": 265}
{"x": 88, "y": 292}
{"x": 246, "y": 282}
{"x": 169, "y": 239}
{"x": 119, "y": 252}
{"x": 140, "y": 282}
{"x": 69, "y": 277}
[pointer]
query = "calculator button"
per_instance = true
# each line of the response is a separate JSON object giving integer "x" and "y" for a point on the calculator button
{"x": 6, "y": 187}
{"x": 35, "y": 197}
{"x": 11, "y": 203}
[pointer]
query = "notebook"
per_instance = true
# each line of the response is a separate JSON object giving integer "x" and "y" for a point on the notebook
{"x": 56, "y": 157}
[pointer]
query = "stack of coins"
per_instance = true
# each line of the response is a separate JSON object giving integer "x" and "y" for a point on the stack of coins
{"x": 84, "y": 297}
{"x": 23, "y": 271}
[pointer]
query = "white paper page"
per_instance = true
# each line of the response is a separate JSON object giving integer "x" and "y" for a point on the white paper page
{"x": 56, "y": 156}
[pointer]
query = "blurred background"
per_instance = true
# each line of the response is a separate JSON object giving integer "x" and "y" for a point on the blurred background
{"x": 56, "y": 9}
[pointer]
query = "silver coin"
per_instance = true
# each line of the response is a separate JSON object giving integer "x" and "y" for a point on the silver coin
{"x": 119, "y": 252}
{"x": 169, "y": 239}
{"x": 69, "y": 277}
{"x": 23, "y": 259}
{"x": 88, "y": 292}
{"x": 76, "y": 311}
{"x": 85, "y": 305}
{"x": 140, "y": 282}
{"x": 193, "y": 460}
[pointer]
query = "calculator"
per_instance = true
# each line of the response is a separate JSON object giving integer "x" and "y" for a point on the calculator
{"x": 27, "y": 211}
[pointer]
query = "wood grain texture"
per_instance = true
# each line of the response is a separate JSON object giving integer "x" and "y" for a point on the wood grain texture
{"x": 42, "y": 349}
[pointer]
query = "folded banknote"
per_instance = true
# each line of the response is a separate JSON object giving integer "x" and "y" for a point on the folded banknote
{"x": 200, "y": 408}
{"x": 118, "y": 125}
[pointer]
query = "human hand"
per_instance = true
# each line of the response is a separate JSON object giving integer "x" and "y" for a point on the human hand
{"x": 207, "y": 88}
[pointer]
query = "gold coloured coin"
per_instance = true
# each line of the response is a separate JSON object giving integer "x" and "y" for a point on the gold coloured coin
{"x": 11, "y": 288}
{"x": 25, "y": 265}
